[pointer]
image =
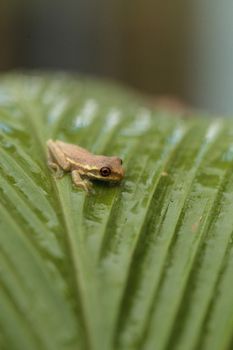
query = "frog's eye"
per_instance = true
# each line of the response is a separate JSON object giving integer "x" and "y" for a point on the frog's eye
{"x": 105, "y": 171}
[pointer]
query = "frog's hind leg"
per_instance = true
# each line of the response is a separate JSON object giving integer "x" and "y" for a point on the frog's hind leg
{"x": 79, "y": 182}
{"x": 55, "y": 167}
{"x": 56, "y": 159}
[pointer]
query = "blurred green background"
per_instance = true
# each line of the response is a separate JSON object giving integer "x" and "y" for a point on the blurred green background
{"x": 180, "y": 48}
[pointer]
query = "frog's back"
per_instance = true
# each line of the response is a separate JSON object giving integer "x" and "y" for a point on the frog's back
{"x": 74, "y": 152}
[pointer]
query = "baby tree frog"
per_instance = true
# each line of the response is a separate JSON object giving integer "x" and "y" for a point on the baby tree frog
{"x": 83, "y": 165}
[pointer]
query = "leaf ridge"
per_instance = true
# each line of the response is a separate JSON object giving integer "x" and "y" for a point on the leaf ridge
{"x": 199, "y": 158}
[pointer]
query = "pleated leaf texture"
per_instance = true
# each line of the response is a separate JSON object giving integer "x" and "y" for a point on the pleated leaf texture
{"x": 146, "y": 264}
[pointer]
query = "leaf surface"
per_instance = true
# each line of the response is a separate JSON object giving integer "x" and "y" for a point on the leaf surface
{"x": 145, "y": 264}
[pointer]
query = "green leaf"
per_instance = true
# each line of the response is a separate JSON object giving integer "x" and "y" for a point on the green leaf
{"x": 145, "y": 264}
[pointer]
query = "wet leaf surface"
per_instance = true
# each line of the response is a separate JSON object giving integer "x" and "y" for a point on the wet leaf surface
{"x": 146, "y": 264}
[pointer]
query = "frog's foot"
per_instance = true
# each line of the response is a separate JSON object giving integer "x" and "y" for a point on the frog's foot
{"x": 57, "y": 171}
{"x": 80, "y": 182}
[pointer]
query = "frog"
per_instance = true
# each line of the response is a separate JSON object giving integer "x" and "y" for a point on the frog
{"x": 84, "y": 166}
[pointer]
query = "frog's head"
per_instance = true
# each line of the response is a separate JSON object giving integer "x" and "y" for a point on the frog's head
{"x": 107, "y": 169}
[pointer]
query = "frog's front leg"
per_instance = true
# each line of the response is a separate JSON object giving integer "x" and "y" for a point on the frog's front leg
{"x": 80, "y": 182}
